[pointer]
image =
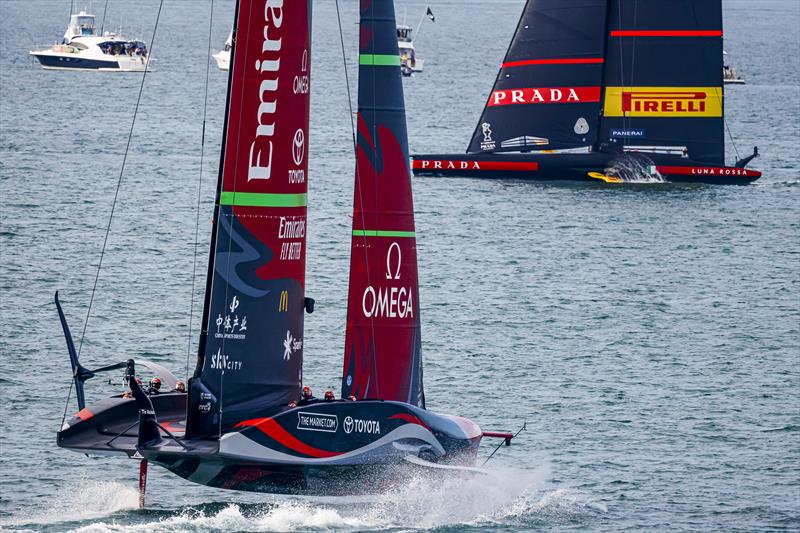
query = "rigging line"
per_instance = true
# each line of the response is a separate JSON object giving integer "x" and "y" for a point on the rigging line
{"x": 119, "y": 180}
{"x": 730, "y": 135}
{"x": 358, "y": 188}
{"x": 232, "y": 229}
{"x": 66, "y": 403}
{"x": 621, "y": 69}
{"x": 633, "y": 50}
{"x": 199, "y": 194}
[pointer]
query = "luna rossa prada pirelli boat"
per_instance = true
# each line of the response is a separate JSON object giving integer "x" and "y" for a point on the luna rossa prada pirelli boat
{"x": 236, "y": 427}
{"x": 615, "y": 90}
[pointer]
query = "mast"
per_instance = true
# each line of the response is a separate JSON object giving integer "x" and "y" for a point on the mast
{"x": 250, "y": 354}
{"x": 383, "y": 346}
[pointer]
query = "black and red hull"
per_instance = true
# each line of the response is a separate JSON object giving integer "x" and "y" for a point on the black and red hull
{"x": 577, "y": 167}
{"x": 338, "y": 447}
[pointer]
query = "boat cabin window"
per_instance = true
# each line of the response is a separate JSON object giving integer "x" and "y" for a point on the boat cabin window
{"x": 86, "y": 25}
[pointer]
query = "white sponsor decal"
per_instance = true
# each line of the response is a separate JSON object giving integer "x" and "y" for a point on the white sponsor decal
{"x": 258, "y": 168}
{"x": 231, "y": 326}
{"x": 581, "y": 126}
{"x": 291, "y": 346}
{"x": 291, "y": 229}
{"x": 535, "y": 96}
{"x": 361, "y": 426}
{"x": 301, "y": 82}
{"x": 389, "y": 302}
{"x": 220, "y": 361}
{"x": 317, "y": 422}
{"x": 451, "y": 165}
{"x": 487, "y": 143}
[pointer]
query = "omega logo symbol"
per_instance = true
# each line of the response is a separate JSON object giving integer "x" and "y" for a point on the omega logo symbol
{"x": 348, "y": 424}
{"x": 304, "y": 62}
{"x": 298, "y": 146}
{"x": 389, "y": 269}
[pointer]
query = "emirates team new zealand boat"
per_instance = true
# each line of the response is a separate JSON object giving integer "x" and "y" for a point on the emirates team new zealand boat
{"x": 614, "y": 90}
{"x": 236, "y": 427}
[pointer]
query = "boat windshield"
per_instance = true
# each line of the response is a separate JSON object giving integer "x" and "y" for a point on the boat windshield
{"x": 86, "y": 25}
{"x": 129, "y": 48}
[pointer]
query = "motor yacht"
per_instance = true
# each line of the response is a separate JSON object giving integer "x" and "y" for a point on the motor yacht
{"x": 223, "y": 57}
{"x": 409, "y": 62}
{"x": 83, "y": 49}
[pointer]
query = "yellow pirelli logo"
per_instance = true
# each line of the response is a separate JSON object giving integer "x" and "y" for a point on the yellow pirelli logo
{"x": 663, "y": 102}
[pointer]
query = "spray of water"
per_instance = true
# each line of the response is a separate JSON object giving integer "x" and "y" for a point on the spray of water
{"x": 503, "y": 496}
{"x": 634, "y": 168}
{"x": 82, "y": 501}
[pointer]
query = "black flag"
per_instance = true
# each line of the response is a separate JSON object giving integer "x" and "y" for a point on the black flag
{"x": 430, "y": 14}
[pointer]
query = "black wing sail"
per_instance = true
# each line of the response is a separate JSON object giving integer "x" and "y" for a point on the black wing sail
{"x": 663, "y": 77}
{"x": 547, "y": 93}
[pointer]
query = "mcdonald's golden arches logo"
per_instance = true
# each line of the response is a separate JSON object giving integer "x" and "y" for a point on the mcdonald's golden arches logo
{"x": 283, "y": 303}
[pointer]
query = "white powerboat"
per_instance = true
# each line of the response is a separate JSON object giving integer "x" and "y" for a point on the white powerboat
{"x": 83, "y": 49}
{"x": 223, "y": 57}
{"x": 409, "y": 62}
{"x": 729, "y": 75}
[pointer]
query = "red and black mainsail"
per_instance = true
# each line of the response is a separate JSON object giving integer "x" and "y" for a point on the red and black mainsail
{"x": 383, "y": 344}
{"x": 251, "y": 346}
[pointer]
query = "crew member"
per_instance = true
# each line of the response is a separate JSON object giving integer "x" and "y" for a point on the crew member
{"x": 351, "y": 398}
{"x": 180, "y": 386}
{"x": 307, "y": 396}
{"x": 329, "y": 397}
{"x": 155, "y": 386}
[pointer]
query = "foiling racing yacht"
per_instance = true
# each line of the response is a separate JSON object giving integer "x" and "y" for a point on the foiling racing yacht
{"x": 83, "y": 49}
{"x": 238, "y": 426}
{"x": 610, "y": 90}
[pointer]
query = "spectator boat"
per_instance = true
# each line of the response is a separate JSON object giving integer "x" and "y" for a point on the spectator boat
{"x": 83, "y": 49}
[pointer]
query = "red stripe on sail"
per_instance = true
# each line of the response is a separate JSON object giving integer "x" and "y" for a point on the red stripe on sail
{"x": 666, "y": 33}
{"x": 272, "y": 429}
{"x": 561, "y": 61}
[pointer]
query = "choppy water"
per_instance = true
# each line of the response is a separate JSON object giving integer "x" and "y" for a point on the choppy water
{"x": 649, "y": 334}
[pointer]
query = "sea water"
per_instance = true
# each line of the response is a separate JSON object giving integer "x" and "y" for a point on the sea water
{"x": 649, "y": 334}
